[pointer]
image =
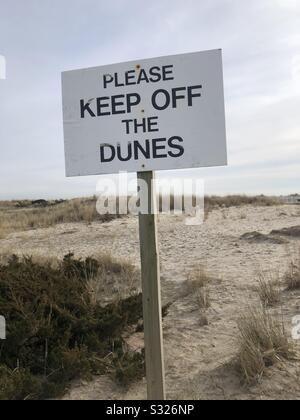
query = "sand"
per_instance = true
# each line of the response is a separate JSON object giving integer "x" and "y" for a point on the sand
{"x": 198, "y": 359}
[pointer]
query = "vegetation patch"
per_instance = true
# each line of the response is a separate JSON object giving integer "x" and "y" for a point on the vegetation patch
{"x": 269, "y": 289}
{"x": 197, "y": 279}
{"x": 24, "y": 215}
{"x": 262, "y": 343}
{"x": 57, "y": 331}
{"x": 257, "y": 237}
{"x": 291, "y": 232}
{"x": 215, "y": 202}
{"x": 197, "y": 286}
{"x": 292, "y": 277}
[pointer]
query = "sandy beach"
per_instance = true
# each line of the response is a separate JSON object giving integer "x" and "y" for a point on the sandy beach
{"x": 199, "y": 360}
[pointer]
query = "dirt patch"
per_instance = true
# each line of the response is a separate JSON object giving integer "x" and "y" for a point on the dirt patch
{"x": 292, "y": 232}
{"x": 256, "y": 237}
{"x": 69, "y": 232}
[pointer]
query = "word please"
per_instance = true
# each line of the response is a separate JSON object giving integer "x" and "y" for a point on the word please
{"x": 138, "y": 75}
{"x": 161, "y": 100}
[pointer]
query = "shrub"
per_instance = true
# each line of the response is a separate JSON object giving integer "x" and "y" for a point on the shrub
{"x": 56, "y": 332}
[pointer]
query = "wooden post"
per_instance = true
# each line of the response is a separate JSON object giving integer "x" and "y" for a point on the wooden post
{"x": 151, "y": 293}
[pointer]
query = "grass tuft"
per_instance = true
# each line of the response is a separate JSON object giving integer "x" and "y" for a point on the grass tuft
{"x": 292, "y": 277}
{"x": 197, "y": 279}
{"x": 197, "y": 286}
{"x": 269, "y": 290}
{"x": 262, "y": 342}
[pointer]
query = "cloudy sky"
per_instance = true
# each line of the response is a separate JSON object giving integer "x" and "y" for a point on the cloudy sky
{"x": 261, "y": 47}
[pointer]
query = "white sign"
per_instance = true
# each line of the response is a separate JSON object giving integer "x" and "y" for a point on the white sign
{"x": 147, "y": 115}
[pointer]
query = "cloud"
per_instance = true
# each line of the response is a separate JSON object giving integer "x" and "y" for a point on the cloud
{"x": 260, "y": 41}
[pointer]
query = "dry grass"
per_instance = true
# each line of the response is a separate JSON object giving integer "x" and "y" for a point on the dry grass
{"x": 115, "y": 280}
{"x": 214, "y": 202}
{"x": 203, "y": 298}
{"x": 269, "y": 288}
{"x": 22, "y": 216}
{"x": 197, "y": 286}
{"x": 197, "y": 279}
{"x": 292, "y": 277}
{"x": 262, "y": 342}
{"x": 241, "y": 200}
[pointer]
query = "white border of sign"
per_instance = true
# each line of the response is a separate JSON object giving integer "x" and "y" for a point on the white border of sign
{"x": 186, "y": 106}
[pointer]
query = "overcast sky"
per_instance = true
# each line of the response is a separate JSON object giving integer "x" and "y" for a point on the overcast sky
{"x": 261, "y": 50}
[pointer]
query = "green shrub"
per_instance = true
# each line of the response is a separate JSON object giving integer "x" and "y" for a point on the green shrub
{"x": 56, "y": 332}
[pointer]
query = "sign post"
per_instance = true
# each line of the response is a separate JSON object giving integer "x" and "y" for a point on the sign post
{"x": 152, "y": 309}
{"x": 164, "y": 113}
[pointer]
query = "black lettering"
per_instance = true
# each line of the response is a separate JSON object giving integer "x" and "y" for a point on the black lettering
{"x": 178, "y": 147}
{"x": 107, "y": 78}
{"x": 133, "y": 99}
{"x": 156, "y": 148}
{"x": 167, "y": 99}
{"x": 102, "y": 153}
{"x": 155, "y": 73}
{"x": 141, "y": 125}
{"x": 175, "y": 95}
{"x": 142, "y": 77}
{"x": 138, "y": 147}
{"x": 117, "y": 83}
{"x": 152, "y": 122}
{"x": 129, "y": 155}
{"x": 101, "y": 105}
{"x": 86, "y": 107}
{"x": 127, "y": 122}
{"x": 130, "y": 75}
{"x": 166, "y": 71}
{"x": 192, "y": 95}
{"x": 115, "y": 103}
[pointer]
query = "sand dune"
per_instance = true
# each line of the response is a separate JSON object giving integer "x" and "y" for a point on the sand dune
{"x": 199, "y": 359}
